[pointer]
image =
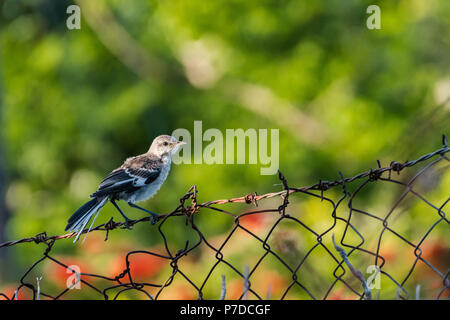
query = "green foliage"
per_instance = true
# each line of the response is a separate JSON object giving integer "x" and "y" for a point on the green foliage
{"x": 74, "y": 107}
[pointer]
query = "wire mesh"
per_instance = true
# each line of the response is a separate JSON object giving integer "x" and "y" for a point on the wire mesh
{"x": 339, "y": 255}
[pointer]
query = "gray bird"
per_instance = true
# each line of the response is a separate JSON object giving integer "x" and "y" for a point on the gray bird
{"x": 138, "y": 179}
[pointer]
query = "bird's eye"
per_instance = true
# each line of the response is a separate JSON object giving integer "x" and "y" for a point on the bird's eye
{"x": 165, "y": 143}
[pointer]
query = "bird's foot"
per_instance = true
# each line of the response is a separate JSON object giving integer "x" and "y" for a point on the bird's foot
{"x": 127, "y": 225}
{"x": 154, "y": 218}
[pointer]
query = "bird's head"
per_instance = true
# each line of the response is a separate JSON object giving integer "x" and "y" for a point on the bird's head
{"x": 165, "y": 145}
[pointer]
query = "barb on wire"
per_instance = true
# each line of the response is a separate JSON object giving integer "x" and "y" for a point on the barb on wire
{"x": 294, "y": 268}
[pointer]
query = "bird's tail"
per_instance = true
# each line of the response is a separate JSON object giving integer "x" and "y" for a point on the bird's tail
{"x": 78, "y": 221}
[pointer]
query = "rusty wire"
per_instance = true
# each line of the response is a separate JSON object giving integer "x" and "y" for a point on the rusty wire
{"x": 124, "y": 281}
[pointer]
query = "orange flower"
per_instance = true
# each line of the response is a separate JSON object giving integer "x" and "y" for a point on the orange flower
{"x": 95, "y": 243}
{"x": 436, "y": 252}
{"x": 234, "y": 289}
{"x": 342, "y": 294}
{"x": 338, "y": 294}
{"x": 269, "y": 280}
{"x": 179, "y": 292}
{"x": 252, "y": 222}
{"x": 61, "y": 275}
{"x": 389, "y": 252}
{"x": 142, "y": 265}
{"x": 23, "y": 294}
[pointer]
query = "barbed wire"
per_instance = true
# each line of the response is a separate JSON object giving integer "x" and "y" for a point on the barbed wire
{"x": 124, "y": 281}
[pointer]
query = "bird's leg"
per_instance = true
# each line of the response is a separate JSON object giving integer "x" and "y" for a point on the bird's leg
{"x": 154, "y": 216}
{"x": 127, "y": 225}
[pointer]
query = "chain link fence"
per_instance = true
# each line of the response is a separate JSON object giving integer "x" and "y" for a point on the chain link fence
{"x": 341, "y": 244}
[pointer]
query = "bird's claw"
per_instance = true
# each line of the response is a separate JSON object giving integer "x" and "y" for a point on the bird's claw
{"x": 154, "y": 219}
{"x": 127, "y": 225}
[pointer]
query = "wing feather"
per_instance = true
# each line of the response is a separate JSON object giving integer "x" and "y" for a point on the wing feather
{"x": 126, "y": 180}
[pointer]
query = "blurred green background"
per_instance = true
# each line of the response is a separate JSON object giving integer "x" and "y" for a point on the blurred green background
{"x": 75, "y": 103}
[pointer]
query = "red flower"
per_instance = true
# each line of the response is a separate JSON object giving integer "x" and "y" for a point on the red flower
{"x": 338, "y": 294}
{"x": 23, "y": 294}
{"x": 252, "y": 222}
{"x": 179, "y": 292}
{"x": 142, "y": 265}
{"x": 65, "y": 276}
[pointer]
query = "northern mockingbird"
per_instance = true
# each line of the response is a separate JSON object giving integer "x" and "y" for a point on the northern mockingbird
{"x": 138, "y": 179}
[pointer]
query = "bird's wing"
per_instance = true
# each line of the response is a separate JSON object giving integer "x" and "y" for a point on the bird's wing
{"x": 126, "y": 180}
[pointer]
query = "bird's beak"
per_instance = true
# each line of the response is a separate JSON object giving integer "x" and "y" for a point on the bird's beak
{"x": 177, "y": 146}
